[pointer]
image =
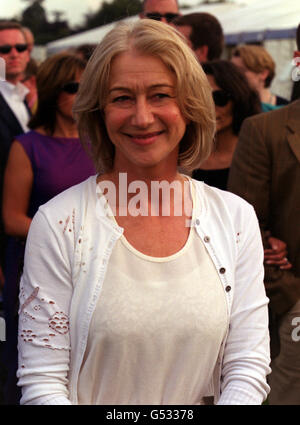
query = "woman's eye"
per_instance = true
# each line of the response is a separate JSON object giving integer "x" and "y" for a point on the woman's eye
{"x": 161, "y": 95}
{"x": 121, "y": 99}
{"x": 160, "y": 98}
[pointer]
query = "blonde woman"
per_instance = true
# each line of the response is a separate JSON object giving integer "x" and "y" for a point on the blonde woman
{"x": 259, "y": 68}
{"x": 126, "y": 302}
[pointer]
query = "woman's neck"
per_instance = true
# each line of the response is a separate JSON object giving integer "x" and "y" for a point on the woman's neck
{"x": 267, "y": 97}
{"x": 147, "y": 177}
{"x": 224, "y": 148}
{"x": 146, "y": 192}
{"x": 226, "y": 141}
{"x": 65, "y": 127}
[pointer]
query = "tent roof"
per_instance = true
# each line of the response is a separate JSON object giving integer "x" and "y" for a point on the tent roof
{"x": 256, "y": 20}
{"x": 242, "y": 21}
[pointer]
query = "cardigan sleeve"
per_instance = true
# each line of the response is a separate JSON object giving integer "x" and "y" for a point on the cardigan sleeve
{"x": 45, "y": 296}
{"x": 247, "y": 355}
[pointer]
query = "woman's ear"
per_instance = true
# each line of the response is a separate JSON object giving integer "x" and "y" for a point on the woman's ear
{"x": 201, "y": 53}
{"x": 264, "y": 74}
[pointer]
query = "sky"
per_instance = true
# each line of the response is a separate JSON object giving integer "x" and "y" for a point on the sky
{"x": 74, "y": 9}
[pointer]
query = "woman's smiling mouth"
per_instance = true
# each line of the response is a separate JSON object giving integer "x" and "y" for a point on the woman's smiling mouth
{"x": 145, "y": 138}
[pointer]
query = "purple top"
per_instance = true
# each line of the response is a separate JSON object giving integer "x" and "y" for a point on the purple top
{"x": 57, "y": 163}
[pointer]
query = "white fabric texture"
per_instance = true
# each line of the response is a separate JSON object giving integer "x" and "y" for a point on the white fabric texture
{"x": 67, "y": 253}
{"x": 154, "y": 337}
{"x": 15, "y": 94}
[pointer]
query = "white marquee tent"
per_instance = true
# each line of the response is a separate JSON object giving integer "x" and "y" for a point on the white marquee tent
{"x": 242, "y": 21}
{"x": 272, "y": 22}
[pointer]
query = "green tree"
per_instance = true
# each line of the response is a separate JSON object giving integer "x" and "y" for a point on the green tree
{"x": 34, "y": 16}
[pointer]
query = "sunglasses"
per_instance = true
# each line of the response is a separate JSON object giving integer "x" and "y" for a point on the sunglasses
{"x": 158, "y": 17}
{"x": 6, "y": 48}
{"x": 221, "y": 97}
{"x": 71, "y": 87}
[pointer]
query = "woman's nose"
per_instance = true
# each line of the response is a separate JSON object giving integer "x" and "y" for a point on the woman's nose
{"x": 143, "y": 114}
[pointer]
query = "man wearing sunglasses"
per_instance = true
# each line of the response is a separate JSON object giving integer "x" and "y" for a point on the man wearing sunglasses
{"x": 14, "y": 113}
{"x": 160, "y": 10}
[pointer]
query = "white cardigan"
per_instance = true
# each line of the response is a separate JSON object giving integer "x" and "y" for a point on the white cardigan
{"x": 67, "y": 252}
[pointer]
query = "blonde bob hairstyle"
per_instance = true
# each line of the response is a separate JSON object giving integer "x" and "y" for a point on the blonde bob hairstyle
{"x": 193, "y": 91}
{"x": 256, "y": 59}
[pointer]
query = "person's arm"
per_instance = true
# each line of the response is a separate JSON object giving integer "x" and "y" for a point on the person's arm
{"x": 45, "y": 296}
{"x": 247, "y": 353}
{"x": 18, "y": 182}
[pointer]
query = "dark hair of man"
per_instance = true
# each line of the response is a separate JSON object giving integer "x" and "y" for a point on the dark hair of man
{"x": 228, "y": 77}
{"x": 206, "y": 31}
{"x": 52, "y": 74}
{"x": 11, "y": 25}
{"x": 85, "y": 50}
{"x": 298, "y": 37}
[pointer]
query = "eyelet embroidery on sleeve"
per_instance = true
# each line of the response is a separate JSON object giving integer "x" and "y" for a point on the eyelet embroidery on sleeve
{"x": 59, "y": 323}
{"x": 42, "y": 323}
{"x": 66, "y": 223}
{"x": 82, "y": 250}
{"x": 73, "y": 226}
{"x": 31, "y": 297}
{"x": 238, "y": 239}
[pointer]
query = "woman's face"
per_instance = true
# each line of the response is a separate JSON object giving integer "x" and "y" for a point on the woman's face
{"x": 142, "y": 117}
{"x": 255, "y": 79}
{"x": 67, "y": 96}
{"x": 224, "y": 114}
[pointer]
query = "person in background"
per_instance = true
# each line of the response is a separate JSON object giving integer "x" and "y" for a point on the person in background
{"x": 42, "y": 163}
{"x": 234, "y": 101}
{"x": 259, "y": 68}
{"x": 160, "y": 10}
{"x": 266, "y": 172}
{"x": 29, "y": 80}
{"x": 204, "y": 34}
{"x": 14, "y": 111}
{"x": 29, "y": 38}
{"x": 85, "y": 51}
{"x": 171, "y": 304}
{"x": 29, "y": 76}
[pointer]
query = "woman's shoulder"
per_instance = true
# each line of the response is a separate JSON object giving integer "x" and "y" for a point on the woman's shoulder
{"x": 27, "y": 137}
{"x": 28, "y": 141}
{"x": 215, "y": 194}
{"x": 225, "y": 216}
{"x": 75, "y": 198}
{"x": 35, "y": 136}
{"x": 223, "y": 203}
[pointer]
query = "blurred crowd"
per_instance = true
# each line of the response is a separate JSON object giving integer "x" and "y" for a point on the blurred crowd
{"x": 256, "y": 155}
